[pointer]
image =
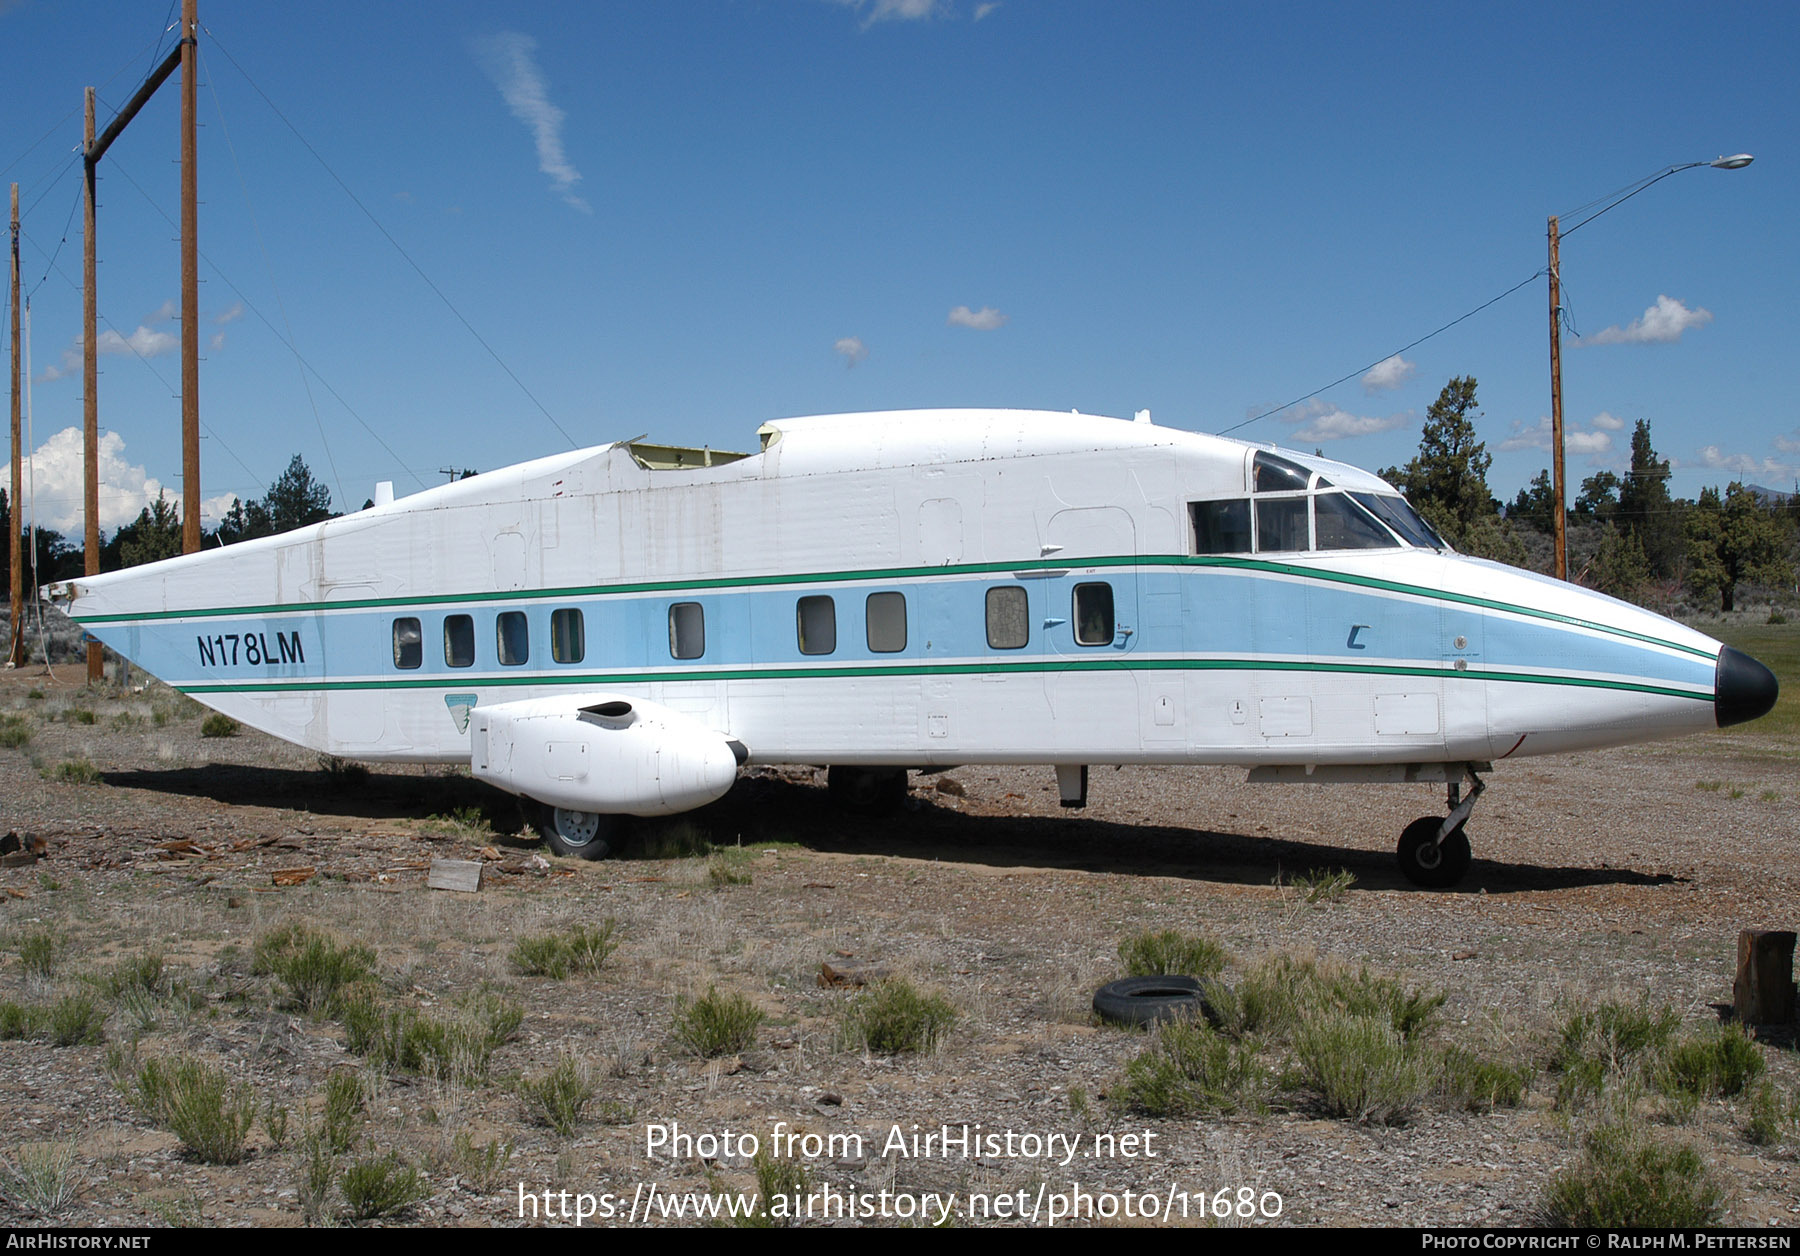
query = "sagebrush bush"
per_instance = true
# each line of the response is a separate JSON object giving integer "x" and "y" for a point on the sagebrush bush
{"x": 313, "y": 966}
{"x": 716, "y": 1024}
{"x": 894, "y": 1016}
{"x": 1169, "y": 951}
{"x": 200, "y": 1105}
{"x": 217, "y": 725}
{"x": 558, "y": 1098}
{"x": 1608, "y": 1041}
{"x": 382, "y": 1186}
{"x": 1628, "y": 1180}
{"x": 1361, "y": 1067}
{"x": 581, "y": 949}
{"x": 1722, "y": 1061}
{"x": 1189, "y": 1069}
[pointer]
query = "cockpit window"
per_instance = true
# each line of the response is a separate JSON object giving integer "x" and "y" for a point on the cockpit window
{"x": 1339, "y": 523}
{"x": 1271, "y": 473}
{"x": 1399, "y": 515}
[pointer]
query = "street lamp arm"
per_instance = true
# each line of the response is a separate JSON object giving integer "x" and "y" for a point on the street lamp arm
{"x": 1737, "y": 162}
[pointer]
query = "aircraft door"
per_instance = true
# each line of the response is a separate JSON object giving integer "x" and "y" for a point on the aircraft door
{"x": 1461, "y": 641}
{"x": 1090, "y": 624}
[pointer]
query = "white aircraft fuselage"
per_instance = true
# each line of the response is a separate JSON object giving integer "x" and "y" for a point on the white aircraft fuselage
{"x": 618, "y": 629}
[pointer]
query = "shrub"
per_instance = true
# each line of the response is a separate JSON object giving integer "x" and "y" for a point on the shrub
{"x": 217, "y": 725}
{"x": 1625, "y": 1179}
{"x": 76, "y": 1020}
{"x": 199, "y": 1104}
{"x": 410, "y": 1041}
{"x": 18, "y": 1020}
{"x": 79, "y": 715}
{"x": 76, "y": 772}
{"x": 1772, "y": 1119}
{"x": 1479, "y": 1085}
{"x": 482, "y": 1165}
{"x": 1361, "y": 1067}
{"x": 343, "y": 1100}
{"x": 312, "y": 965}
{"x": 558, "y": 1098}
{"x": 1721, "y": 1062}
{"x": 777, "y": 1177}
{"x": 893, "y": 1016}
{"x": 14, "y": 731}
{"x": 42, "y": 1177}
{"x": 379, "y": 1187}
{"x": 716, "y": 1024}
{"x": 583, "y": 949}
{"x": 138, "y": 974}
{"x": 1323, "y": 885}
{"x": 1166, "y": 952}
{"x": 1190, "y": 1070}
{"x": 1606, "y": 1041}
{"x": 37, "y": 952}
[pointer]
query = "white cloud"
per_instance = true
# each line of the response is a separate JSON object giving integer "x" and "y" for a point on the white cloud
{"x": 852, "y": 348}
{"x": 1388, "y": 374}
{"x": 145, "y": 342}
{"x": 1322, "y": 421}
{"x": 1789, "y": 444}
{"x": 507, "y": 59}
{"x": 168, "y": 311}
{"x": 874, "y": 11}
{"x": 1746, "y": 465}
{"x": 1575, "y": 440}
{"x": 987, "y": 318}
{"x": 982, "y": 10}
{"x": 1662, "y": 323}
{"x": 56, "y": 482}
{"x": 216, "y": 343}
{"x": 231, "y": 315}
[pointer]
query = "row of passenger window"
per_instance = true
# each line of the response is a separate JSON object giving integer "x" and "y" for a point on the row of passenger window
{"x": 815, "y": 628}
{"x": 512, "y": 639}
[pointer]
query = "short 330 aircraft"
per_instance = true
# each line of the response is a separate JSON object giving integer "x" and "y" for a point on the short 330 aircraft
{"x": 619, "y": 630}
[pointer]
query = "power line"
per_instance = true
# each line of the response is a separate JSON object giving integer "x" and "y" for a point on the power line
{"x": 417, "y": 269}
{"x": 1362, "y": 370}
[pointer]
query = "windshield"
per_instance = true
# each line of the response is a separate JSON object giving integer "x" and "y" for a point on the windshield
{"x": 1399, "y": 515}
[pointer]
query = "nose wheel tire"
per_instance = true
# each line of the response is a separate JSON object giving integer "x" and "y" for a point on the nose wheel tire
{"x": 1429, "y": 863}
{"x": 576, "y": 834}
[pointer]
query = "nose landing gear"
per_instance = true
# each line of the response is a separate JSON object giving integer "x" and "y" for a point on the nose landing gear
{"x": 1434, "y": 852}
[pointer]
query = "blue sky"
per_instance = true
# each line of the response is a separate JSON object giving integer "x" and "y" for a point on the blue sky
{"x": 683, "y": 219}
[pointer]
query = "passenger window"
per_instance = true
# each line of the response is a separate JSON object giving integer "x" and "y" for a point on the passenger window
{"x": 886, "y": 615}
{"x": 1281, "y": 524}
{"x": 409, "y": 643}
{"x": 513, "y": 639}
{"x": 1093, "y": 614}
{"x": 687, "y": 630}
{"x": 459, "y": 640}
{"x": 568, "y": 644}
{"x": 1008, "y": 622}
{"x": 816, "y": 624}
{"x": 1221, "y": 527}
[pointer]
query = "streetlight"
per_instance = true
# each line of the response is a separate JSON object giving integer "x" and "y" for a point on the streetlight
{"x": 1735, "y": 162}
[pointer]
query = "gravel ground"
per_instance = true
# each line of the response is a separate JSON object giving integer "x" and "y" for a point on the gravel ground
{"x": 1622, "y": 874}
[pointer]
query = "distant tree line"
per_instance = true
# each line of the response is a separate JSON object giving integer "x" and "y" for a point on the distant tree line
{"x": 1649, "y": 547}
{"x": 293, "y": 501}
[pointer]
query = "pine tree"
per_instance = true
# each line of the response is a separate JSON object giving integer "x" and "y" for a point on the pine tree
{"x": 1735, "y": 540}
{"x": 1645, "y": 509}
{"x": 1447, "y": 481}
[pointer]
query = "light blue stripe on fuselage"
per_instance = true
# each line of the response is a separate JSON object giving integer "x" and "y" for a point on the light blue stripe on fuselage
{"x": 1218, "y": 613}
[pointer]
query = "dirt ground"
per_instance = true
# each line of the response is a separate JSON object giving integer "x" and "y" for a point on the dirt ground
{"x": 1617, "y": 875}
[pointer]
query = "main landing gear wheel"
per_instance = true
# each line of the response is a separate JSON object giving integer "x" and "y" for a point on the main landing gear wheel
{"x": 866, "y": 791}
{"x": 1427, "y": 862}
{"x": 576, "y": 834}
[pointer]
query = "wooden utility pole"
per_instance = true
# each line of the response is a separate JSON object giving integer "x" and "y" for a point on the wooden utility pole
{"x": 15, "y": 654}
{"x": 90, "y": 385}
{"x": 92, "y": 151}
{"x": 190, "y": 291}
{"x": 1558, "y": 506}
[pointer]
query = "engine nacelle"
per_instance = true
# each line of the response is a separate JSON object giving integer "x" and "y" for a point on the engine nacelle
{"x": 602, "y": 753}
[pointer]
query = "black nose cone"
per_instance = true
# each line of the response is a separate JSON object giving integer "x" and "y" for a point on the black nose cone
{"x": 1742, "y": 688}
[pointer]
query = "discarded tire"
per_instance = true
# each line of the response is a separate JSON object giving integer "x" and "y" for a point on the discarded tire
{"x": 1147, "y": 1000}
